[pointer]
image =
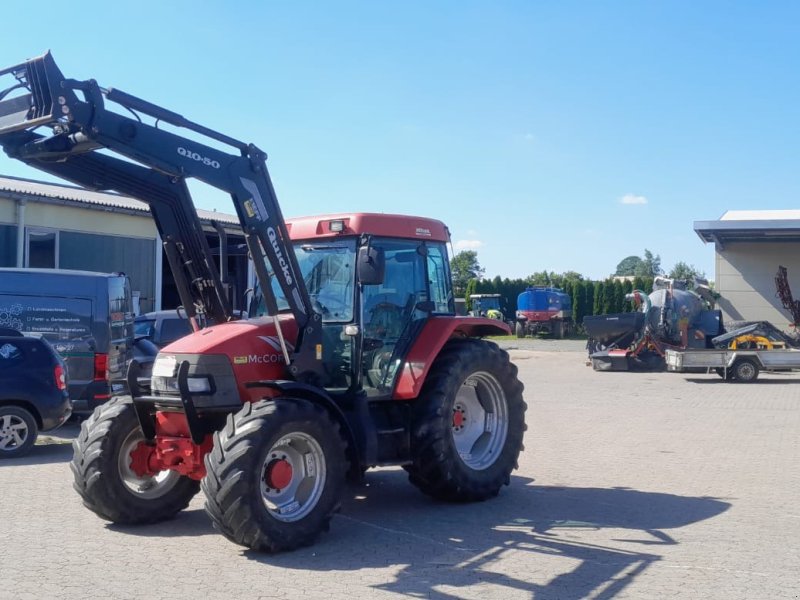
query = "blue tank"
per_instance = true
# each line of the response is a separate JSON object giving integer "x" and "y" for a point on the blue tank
{"x": 543, "y": 299}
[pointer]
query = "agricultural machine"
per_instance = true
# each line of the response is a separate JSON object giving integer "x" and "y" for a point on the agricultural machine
{"x": 359, "y": 360}
{"x": 682, "y": 320}
{"x": 487, "y": 305}
{"x": 672, "y": 316}
{"x": 542, "y": 309}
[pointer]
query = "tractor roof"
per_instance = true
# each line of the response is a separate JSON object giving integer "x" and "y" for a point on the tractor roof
{"x": 380, "y": 224}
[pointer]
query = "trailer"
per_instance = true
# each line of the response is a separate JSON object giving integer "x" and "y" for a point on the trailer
{"x": 733, "y": 364}
{"x": 542, "y": 309}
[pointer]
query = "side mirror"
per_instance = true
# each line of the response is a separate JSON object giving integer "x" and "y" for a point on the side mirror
{"x": 427, "y": 306}
{"x": 371, "y": 265}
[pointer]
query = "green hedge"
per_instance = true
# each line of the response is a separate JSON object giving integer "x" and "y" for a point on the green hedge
{"x": 588, "y": 297}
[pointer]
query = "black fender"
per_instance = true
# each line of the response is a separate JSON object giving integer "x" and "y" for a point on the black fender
{"x": 357, "y": 449}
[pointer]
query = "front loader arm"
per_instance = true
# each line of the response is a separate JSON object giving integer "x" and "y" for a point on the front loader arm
{"x": 43, "y": 99}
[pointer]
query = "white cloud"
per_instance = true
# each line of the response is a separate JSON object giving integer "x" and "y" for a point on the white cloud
{"x": 467, "y": 245}
{"x": 632, "y": 199}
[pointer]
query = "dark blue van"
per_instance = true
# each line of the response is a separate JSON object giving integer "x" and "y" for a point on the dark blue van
{"x": 86, "y": 316}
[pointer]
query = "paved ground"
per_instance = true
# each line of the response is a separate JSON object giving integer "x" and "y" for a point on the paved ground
{"x": 631, "y": 486}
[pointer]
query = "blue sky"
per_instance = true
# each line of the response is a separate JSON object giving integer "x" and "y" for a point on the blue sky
{"x": 547, "y": 135}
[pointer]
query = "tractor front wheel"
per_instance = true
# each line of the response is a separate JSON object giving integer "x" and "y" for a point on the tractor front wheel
{"x": 520, "y": 330}
{"x": 275, "y": 475}
{"x": 469, "y": 423}
{"x": 105, "y": 480}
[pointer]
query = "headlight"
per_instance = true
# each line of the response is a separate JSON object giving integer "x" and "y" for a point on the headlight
{"x": 165, "y": 366}
{"x": 198, "y": 385}
{"x": 164, "y": 384}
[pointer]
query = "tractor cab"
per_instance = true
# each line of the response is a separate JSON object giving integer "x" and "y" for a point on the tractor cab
{"x": 487, "y": 305}
{"x": 374, "y": 286}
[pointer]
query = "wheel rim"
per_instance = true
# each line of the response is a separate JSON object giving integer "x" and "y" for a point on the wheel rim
{"x": 143, "y": 487}
{"x": 13, "y": 432}
{"x": 293, "y": 476}
{"x": 480, "y": 420}
{"x": 745, "y": 371}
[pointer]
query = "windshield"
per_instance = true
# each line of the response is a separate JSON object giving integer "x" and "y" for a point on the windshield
{"x": 488, "y": 303}
{"x": 328, "y": 269}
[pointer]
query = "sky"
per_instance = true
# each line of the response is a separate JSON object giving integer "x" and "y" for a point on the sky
{"x": 559, "y": 136}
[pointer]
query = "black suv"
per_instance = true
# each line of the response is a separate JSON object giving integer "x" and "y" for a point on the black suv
{"x": 33, "y": 391}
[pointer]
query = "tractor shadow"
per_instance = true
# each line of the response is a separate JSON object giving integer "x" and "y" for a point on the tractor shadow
{"x": 386, "y": 522}
{"x": 768, "y": 379}
{"x": 192, "y": 522}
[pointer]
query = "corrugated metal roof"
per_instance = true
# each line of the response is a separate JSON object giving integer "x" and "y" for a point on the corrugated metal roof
{"x": 94, "y": 199}
{"x": 747, "y": 227}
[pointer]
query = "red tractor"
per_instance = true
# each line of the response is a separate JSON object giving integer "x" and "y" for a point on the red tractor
{"x": 357, "y": 361}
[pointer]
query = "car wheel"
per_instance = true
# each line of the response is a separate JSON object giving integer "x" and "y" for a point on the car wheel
{"x": 18, "y": 431}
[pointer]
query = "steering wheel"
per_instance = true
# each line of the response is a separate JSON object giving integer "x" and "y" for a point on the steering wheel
{"x": 385, "y": 317}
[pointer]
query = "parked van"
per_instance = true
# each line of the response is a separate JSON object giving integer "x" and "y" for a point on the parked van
{"x": 86, "y": 316}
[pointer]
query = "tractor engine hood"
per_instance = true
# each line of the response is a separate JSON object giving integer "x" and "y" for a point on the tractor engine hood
{"x": 257, "y": 336}
{"x": 252, "y": 347}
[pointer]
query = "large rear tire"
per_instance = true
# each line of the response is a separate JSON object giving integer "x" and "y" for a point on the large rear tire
{"x": 101, "y": 466}
{"x": 468, "y": 424}
{"x": 276, "y": 474}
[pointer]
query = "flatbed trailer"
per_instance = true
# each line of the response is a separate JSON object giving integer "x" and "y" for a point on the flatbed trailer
{"x": 741, "y": 365}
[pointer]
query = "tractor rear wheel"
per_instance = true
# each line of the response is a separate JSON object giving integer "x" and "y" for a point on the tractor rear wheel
{"x": 101, "y": 466}
{"x": 275, "y": 475}
{"x": 470, "y": 419}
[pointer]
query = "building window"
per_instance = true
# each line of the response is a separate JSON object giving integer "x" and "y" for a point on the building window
{"x": 8, "y": 245}
{"x": 41, "y": 248}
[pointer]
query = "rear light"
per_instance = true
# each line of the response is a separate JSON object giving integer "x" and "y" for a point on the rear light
{"x": 61, "y": 377}
{"x": 101, "y": 367}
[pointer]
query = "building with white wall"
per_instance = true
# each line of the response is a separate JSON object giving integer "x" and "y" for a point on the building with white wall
{"x": 749, "y": 246}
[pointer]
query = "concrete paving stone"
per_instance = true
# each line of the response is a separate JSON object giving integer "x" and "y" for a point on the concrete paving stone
{"x": 632, "y": 485}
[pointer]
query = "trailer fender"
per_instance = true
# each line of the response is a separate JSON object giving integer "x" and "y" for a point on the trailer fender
{"x": 432, "y": 338}
{"x": 754, "y": 356}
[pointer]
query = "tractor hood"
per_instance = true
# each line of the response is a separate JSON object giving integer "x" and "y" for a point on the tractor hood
{"x": 237, "y": 337}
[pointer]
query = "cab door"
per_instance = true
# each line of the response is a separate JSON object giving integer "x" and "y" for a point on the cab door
{"x": 391, "y": 313}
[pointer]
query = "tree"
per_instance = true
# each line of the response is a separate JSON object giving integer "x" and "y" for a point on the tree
{"x": 578, "y": 304}
{"x": 589, "y": 287}
{"x": 465, "y": 266}
{"x": 571, "y": 276}
{"x": 540, "y": 278}
{"x": 628, "y": 266}
{"x": 683, "y": 271}
{"x": 651, "y": 265}
{"x": 618, "y": 297}
{"x": 469, "y": 291}
{"x": 600, "y": 298}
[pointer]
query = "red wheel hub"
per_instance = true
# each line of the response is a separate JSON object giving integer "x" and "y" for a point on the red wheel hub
{"x": 458, "y": 418}
{"x": 278, "y": 475}
{"x": 141, "y": 457}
